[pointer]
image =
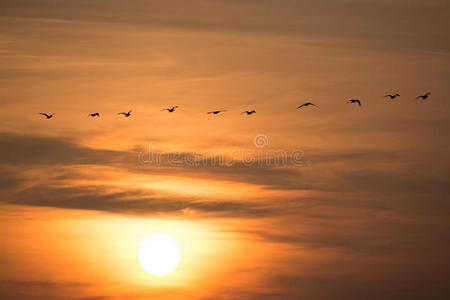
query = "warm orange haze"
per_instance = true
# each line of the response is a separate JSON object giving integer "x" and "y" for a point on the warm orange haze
{"x": 211, "y": 150}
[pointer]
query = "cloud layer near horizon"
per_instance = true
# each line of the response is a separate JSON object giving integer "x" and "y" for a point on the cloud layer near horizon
{"x": 334, "y": 179}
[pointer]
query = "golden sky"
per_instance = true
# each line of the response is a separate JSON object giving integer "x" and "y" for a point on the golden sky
{"x": 361, "y": 213}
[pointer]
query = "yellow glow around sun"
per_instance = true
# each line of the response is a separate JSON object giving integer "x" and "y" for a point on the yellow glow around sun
{"x": 159, "y": 255}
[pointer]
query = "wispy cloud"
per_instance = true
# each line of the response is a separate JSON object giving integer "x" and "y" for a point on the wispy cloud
{"x": 383, "y": 22}
{"x": 374, "y": 187}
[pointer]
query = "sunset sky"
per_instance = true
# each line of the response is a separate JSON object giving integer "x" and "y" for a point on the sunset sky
{"x": 361, "y": 212}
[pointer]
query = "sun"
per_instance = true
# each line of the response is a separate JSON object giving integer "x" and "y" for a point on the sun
{"x": 159, "y": 254}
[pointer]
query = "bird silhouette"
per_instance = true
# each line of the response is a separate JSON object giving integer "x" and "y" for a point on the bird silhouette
{"x": 307, "y": 104}
{"x": 170, "y": 109}
{"x": 354, "y": 101}
{"x": 47, "y": 116}
{"x": 392, "y": 96}
{"x": 424, "y": 96}
{"x": 249, "y": 112}
{"x": 125, "y": 114}
{"x": 94, "y": 115}
{"x": 215, "y": 112}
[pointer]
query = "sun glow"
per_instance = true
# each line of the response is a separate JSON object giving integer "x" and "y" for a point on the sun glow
{"x": 159, "y": 255}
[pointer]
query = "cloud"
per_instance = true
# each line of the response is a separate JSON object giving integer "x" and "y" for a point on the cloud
{"x": 373, "y": 23}
{"x": 9, "y": 178}
{"x": 43, "y": 290}
{"x": 135, "y": 202}
{"x": 352, "y": 280}
{"x": 387, "y": 182}
{"x": 32, "y": 151}
{"x": 40, "y": 150}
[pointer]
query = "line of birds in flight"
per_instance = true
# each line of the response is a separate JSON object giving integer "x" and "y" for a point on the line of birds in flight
{"x": 248, "y": 112}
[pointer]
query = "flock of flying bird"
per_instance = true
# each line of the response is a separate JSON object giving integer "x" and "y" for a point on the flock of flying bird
{"x": 248, "y": 112}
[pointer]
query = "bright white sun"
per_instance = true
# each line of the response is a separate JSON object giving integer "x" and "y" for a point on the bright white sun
{"x": 159, "y": 255}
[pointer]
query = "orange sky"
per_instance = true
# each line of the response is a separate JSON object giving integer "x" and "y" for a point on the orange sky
{"x": 363, "y": 216}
